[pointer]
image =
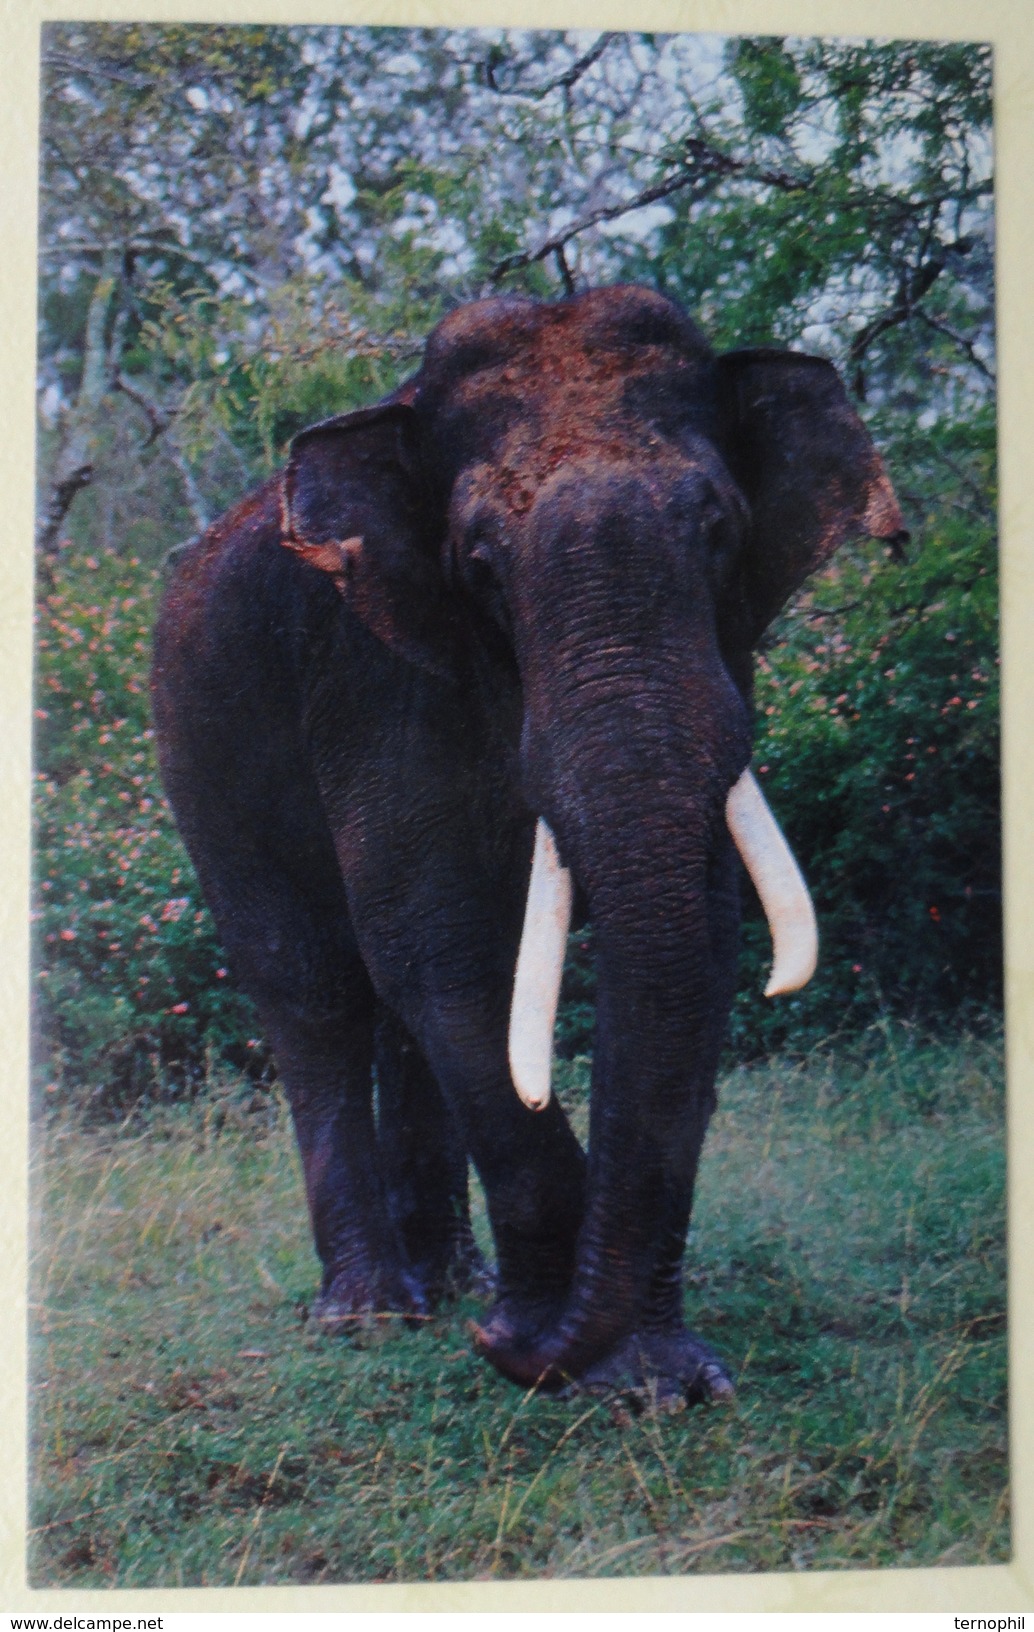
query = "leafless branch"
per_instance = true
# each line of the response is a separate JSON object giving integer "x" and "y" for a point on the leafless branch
{"x": 816, "y": 613}
{"x": 195, "y": 502}
{"x": 75, "y": 65}
{"x": 147, "y": 244}
{"x": 960, "y": 341}
{"x": 577, "y": 69}
{"x": 144, "y": 243}
{"x": 912, "y": 286}
{"x": 563, "y": 82}
{"x": 158, "y": 419}
{"x": 712, "y": 161}
{"x": 706, "y": 166}
{"x": 610, "y": 212}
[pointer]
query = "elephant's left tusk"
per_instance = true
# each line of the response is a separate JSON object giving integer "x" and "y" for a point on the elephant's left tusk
{"x": 540, "y": 965}
{"x": 781, "y": 889}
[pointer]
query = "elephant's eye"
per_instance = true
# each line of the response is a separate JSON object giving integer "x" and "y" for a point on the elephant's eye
{"x": 484, "y": 586}
{"x": 721, "y": 532}
{"x": 480, "y": 571}
{"x": 483, "y": 580}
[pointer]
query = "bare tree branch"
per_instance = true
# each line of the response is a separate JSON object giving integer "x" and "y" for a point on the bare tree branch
{"x": 140, "y": 243}
{"x": 816, "y": 613}
{"x": 563, "y": 82}
{"x": 711, "y": 160}
{"x": 158, "y": 419}
{"x": 960, "y": 341}
{"x": 609, "y": 212}
{"x": 98, "y": 70}
{"x": 707, "y": 165}
{"x": 912, "y": 286}
{"x": 577, "y": 69}
{"x": 195, "y": 502}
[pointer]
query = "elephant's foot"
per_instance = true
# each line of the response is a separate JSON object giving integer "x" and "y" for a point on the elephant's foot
{"x": 351, "y": 1301}
{"x": 512, "y": 1328}
{"x": 659, "y": 1371}
{"x": 654, "y": 1369}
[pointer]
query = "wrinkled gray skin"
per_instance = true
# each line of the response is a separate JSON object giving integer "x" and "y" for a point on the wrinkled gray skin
{"x": 528, "y": 584}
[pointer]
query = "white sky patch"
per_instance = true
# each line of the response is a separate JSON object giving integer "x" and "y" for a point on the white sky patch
{"x": 232, "y": 283}
{"x": 980, "y": 145}
{"x": 639, "y": 224}
{"x": 696, "y": 60}
{"x": 198, "y": 98}
{"x": 458, "y": 265}
{"x": 303, "y": 117}
{"x": 895, "y": 159}
{"x": 404, "y": 62}
{"x": 340, "y": 191}
{"x": 448, "y": 238}
{"x": 404, "y": 224}
{"x": 815, "y": 136}
{"x": 558, "y": 219}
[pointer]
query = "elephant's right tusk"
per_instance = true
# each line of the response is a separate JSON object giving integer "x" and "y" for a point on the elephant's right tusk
{"x": 540, "y": 965}
{"x": 781, "y": 889}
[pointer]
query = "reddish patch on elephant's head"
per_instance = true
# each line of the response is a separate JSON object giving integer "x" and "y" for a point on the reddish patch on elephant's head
{"x": 521, "y": 388}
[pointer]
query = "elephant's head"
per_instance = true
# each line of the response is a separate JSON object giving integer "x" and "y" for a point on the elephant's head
{"x": 586, "y": 487}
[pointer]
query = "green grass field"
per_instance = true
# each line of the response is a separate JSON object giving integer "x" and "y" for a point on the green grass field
{"x": 847, "y": 1256}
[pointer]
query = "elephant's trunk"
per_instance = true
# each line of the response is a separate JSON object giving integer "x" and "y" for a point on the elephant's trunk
{"x": 649, "y": 844}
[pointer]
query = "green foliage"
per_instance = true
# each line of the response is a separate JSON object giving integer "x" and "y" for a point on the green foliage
{"x": 878, "y": 747}
{"x": 852, "y": 200}
{"x": 769, "y": 83}
{"x": 847, "y": 1259}
{"x": 132, "y": 997}
{"x": 258, "y": 383}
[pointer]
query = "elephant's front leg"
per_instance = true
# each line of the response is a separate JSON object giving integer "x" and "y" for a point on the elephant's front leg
{"x": 424, "y": 1164}
{"x": 452, "y": 991}
{"x": 325, "y": 1061}
{"x": 530, "y": 1164}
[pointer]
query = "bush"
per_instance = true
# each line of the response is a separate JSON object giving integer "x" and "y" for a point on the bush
{"x": 132, "y": 994}
{"x": 877, "y": 744}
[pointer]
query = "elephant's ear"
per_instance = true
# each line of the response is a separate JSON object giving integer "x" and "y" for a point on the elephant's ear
{"x": 355, "y": 506}
{"x": 809, "y": 470}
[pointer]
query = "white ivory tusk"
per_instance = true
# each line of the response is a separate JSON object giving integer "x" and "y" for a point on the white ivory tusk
{"x": 540, "y": 964}
{"x": 781, "y": 889}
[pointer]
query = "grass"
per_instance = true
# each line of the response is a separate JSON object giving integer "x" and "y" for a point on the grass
{"x": 189, "y": 1428}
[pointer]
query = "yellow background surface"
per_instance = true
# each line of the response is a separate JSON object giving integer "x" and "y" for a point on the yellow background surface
{"x": 1009, "y": 25}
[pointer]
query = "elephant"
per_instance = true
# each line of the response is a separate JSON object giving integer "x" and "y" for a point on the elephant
{"x": 479, "y": 650}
